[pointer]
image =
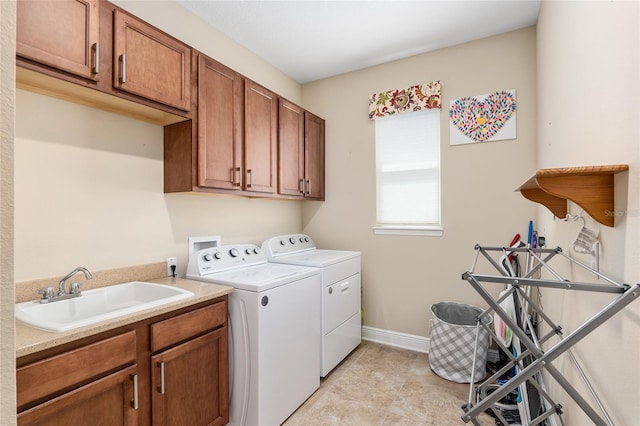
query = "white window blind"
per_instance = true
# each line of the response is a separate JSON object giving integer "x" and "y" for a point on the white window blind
{"x": 408, "y": 169}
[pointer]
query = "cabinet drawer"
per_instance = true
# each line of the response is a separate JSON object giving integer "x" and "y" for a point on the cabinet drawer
{"x": 174, "y": 330}
{"x": 62, "y": 372}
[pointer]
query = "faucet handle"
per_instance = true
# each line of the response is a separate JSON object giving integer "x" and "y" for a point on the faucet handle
{"x": 75, "y": 288}
{"x": 47, "y": 294}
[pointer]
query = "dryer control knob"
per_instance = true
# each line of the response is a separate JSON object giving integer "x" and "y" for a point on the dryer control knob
{"x": 256, "y": 250}
{"x": 233, "y": 252}
{"x": 207, "y": 257}
{"x": 282, "y": 242}
{"x": 217, "y": 255}
{"x": 292, "y": 240}
{"x": 248, "y": 251}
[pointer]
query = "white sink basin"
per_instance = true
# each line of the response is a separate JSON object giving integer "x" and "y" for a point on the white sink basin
{"x": 97, "y": 305}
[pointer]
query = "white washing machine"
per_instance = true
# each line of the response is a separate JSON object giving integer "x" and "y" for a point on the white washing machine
{"x": 341, "y": 292}
{"x": 274, "y": 346}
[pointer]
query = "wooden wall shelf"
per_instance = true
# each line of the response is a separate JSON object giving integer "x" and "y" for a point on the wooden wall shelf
{"x": 589, "y": 187}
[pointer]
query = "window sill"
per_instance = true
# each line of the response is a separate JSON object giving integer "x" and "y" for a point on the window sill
{"x": 426, "y": 231}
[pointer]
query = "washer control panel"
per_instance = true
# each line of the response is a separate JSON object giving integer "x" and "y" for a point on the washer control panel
{"x": 223, "y": 258}
{"x": 287, "y": 244}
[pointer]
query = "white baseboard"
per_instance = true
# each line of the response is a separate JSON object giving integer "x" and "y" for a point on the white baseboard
{"x": 397, "y": 339}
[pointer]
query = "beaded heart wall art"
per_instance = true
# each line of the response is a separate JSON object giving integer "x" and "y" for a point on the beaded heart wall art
{"x": 483, "y": 118}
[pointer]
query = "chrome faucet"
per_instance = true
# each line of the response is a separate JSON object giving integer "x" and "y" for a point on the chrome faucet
{"x": 48, "y": 294}
{"x": 75, "y": 286}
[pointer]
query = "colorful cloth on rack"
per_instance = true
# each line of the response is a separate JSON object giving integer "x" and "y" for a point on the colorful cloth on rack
{"x": 503, "y": 332}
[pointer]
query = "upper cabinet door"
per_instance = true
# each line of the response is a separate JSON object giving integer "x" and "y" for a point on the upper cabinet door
{"x": 149, "y": 63}
{"x": 260, "y": 138}
{"x": 220, "y": 100}
{"x": 314, "y": 156}
{"x": 62, "y": 34}
{"x": 290, "y": 148}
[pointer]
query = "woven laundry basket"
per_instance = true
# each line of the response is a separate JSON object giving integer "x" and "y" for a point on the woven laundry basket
{"x": 452, "y": 342}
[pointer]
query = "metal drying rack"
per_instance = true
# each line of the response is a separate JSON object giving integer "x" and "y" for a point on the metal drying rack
{"x": 533, "y": 359}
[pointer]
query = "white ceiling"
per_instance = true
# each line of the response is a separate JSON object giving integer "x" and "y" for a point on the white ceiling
{"x": 310, "y": 39}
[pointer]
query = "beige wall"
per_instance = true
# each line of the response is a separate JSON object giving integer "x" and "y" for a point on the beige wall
{"x": 89, "y": 192}
{"x": 403, "y": 275}
{"x": 588, "y": 114}
{"x": 7, "y": 289}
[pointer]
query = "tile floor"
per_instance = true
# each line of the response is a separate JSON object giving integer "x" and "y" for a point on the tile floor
{"x": 382, "y": 385}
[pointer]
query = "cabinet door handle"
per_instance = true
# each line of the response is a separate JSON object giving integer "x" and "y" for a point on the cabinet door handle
{"x": 308, "y": 186}
{"x": 238, "y": 182}
{"x": 134, "y": 403}
{"x": 161, "y": 387}
{"x": 96, "y": 58}
{"x": 250, "y": 178}
{"x": 123, "y": 68}
{"x": 301, "y": 186}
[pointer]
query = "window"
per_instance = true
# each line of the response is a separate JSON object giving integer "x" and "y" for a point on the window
{"x": 408, "y": 173}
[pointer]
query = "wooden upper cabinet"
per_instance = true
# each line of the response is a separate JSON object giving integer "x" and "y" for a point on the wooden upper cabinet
{"x": 314, "y": 156}
{"x": 290, "y": 148}
{"x": 300, "y": 152}
{"x": 242, "y": 139}
{"x": 149, "y": 63}
{"x": 260, "y": 135}
{"x": 63, "y": 34}
{"x": 220, "y": 105}
{"x": 237, "y": 126}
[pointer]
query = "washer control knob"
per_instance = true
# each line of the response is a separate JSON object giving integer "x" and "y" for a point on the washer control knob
{"x": 301, "y": 240}
{"x": 207, "y": 257}
{"x": 217, "y": 255}
{"x": 306, "y": 239}
{"x": 292, "y": 240}
{"x": 256, "y": 250}
{"x": 233, "y": 252}
{"x": 282, "y": 242}
{"x": 248, "y": 251}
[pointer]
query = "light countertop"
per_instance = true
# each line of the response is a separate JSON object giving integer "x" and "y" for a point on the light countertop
{"x": 30, "y": 340}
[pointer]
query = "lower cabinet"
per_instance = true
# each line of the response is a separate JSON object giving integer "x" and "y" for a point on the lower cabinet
{"x": 190, "y": 375}
{"x": 182, "y": 375}
{"x": 169, "y": 370}
{"x": 111, "y": 399}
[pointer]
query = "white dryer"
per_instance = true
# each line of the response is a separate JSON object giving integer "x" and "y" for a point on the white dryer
{"x": 341, "y": 292}
{"x": 274, "y": 346}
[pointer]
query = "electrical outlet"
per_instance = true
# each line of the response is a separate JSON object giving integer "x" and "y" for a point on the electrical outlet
{"x": 172, "y": 261}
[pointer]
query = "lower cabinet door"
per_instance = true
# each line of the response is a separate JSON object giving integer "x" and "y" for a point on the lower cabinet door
{"x": 111, "y": 400}
{"x": 190, "y": 382}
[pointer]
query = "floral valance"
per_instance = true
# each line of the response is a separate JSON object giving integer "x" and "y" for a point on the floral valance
{"x": 414, "y": 98}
